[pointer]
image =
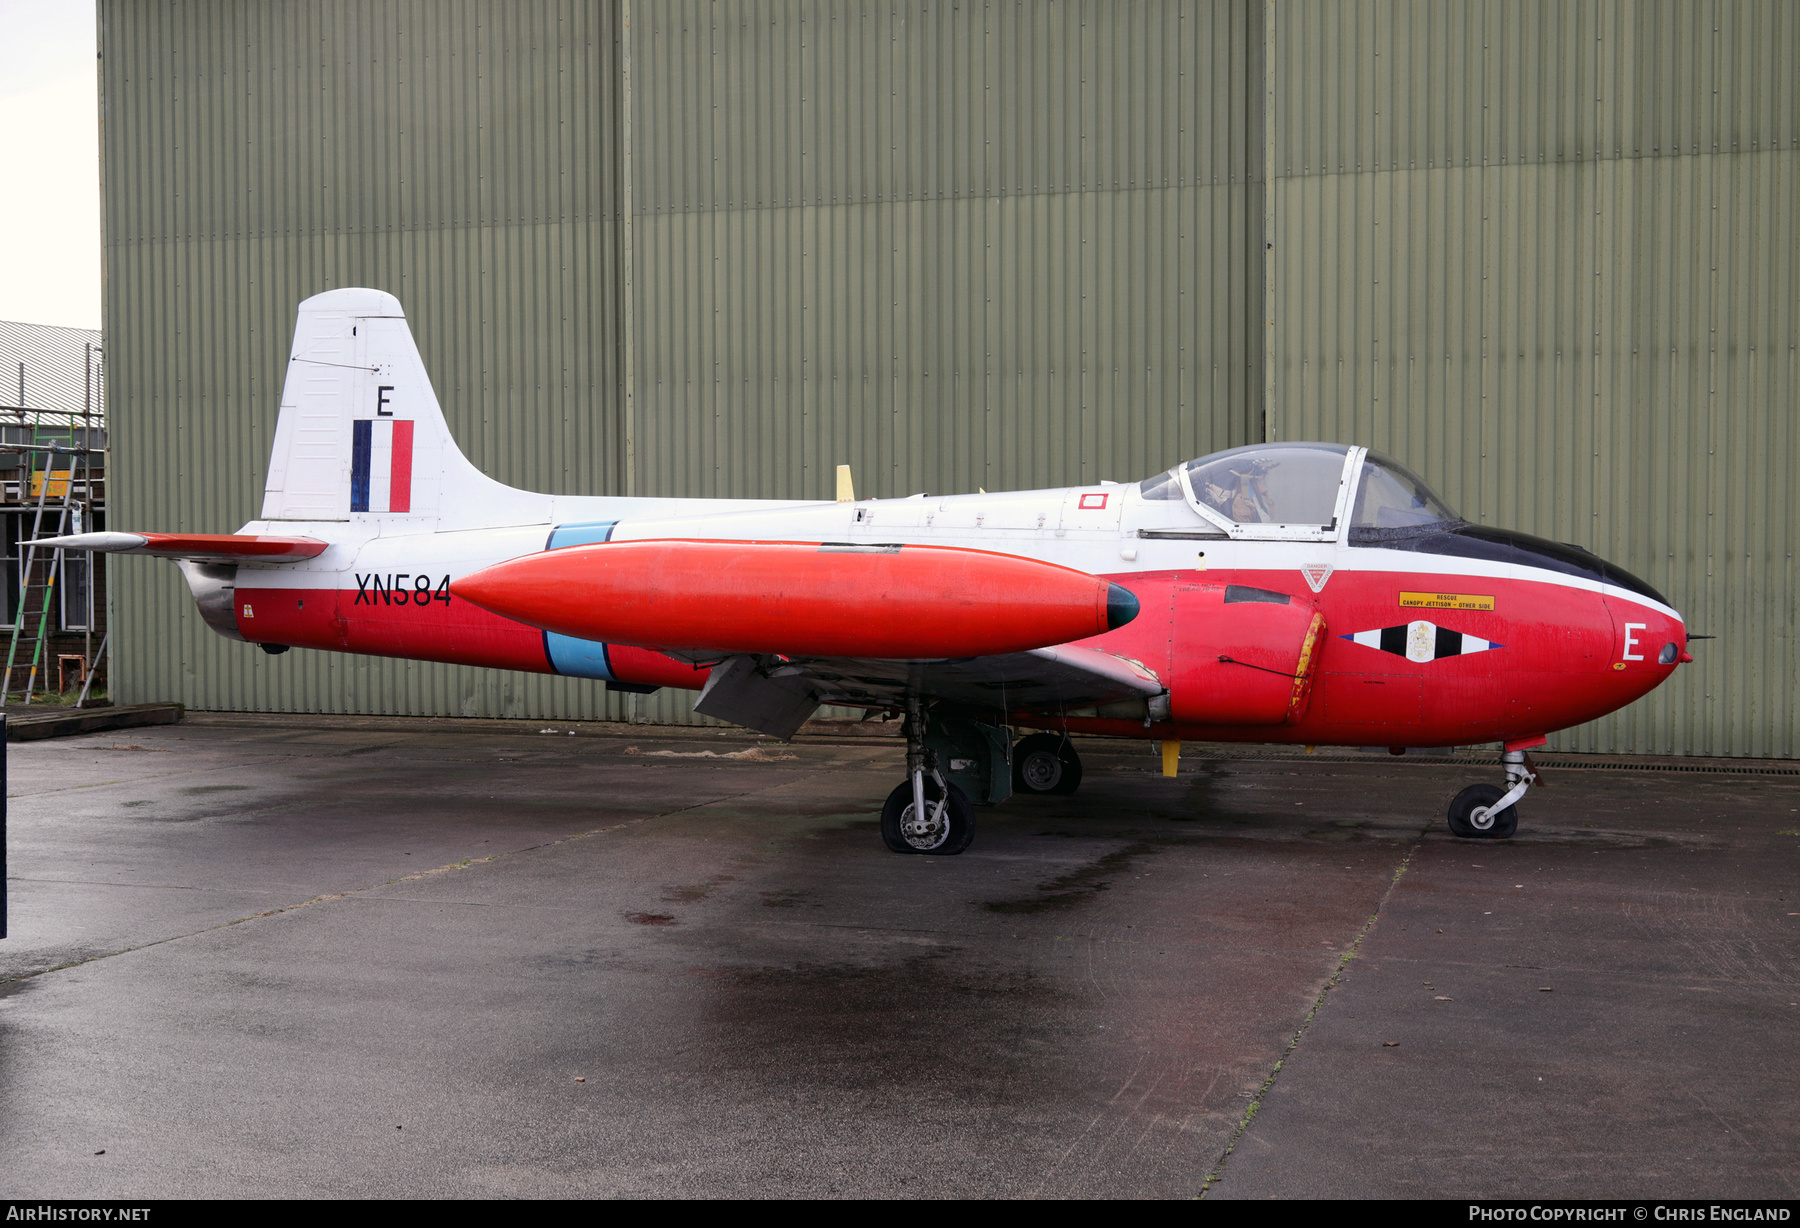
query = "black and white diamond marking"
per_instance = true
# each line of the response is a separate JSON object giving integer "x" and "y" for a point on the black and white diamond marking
{"x": 1421, "y": 641}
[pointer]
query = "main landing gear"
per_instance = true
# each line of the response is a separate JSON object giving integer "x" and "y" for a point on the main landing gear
{"x": 925, "y": 813}
{"x": 1487, "y": 812}
{"x": 1046, "y": 763}
{"x": 956, "y": 762}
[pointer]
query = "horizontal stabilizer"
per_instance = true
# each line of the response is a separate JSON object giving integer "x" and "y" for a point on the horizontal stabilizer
{"x": 201, "y": 547}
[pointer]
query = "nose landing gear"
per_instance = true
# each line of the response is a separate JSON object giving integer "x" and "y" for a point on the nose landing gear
{"x": 1487, "y": 812}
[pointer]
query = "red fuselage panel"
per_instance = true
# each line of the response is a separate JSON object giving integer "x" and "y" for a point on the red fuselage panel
{"x": 409, "y": 623}
{"x": 1544, "y": 656}
{"x": 1497, "y": 660}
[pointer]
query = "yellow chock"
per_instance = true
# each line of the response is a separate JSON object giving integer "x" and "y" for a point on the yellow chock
{"x": 846, "y": 488}
{"x": 1312, "y": 750}
{"x": 1171, "y": 758}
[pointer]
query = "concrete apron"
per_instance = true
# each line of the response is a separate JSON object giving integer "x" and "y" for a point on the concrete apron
{"x": 406, "y": 959}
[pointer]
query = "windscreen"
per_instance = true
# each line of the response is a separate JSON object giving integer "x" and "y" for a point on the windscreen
{"x": 1391, "y": 496}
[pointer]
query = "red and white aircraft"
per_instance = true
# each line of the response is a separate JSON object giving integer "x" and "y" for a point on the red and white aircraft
{"x": 1298, "y": 593}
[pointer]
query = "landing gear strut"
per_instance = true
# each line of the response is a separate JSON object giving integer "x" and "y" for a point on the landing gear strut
{"x": 925, "y": 813}
{"x": 1487, "y": 812}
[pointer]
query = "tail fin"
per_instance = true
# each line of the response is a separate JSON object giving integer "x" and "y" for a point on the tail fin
{"x": 361, "y": 435}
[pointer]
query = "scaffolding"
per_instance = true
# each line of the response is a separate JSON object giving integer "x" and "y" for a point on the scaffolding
{"x": 53, "y": 467}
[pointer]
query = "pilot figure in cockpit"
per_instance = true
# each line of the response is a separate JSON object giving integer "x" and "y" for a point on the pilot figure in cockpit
{"x": 1246, "y": 498}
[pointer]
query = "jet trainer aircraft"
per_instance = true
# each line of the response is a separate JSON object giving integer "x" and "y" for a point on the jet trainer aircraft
{"x": 1304, "y": 593}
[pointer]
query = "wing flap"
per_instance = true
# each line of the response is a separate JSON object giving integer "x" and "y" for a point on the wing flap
{"x": 200, "y": 547}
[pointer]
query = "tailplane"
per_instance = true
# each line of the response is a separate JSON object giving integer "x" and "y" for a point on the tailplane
{"x": 361, "y": 435}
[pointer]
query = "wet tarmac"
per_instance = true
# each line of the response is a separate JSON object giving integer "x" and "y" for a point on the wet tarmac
{"x": 264, "y": 957}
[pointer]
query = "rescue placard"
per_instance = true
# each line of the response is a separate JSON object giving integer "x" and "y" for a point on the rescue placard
{"x": 1446, "y": 601}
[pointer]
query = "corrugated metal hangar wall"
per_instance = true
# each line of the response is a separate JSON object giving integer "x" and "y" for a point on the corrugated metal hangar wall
{"x": 1546, "y": 253}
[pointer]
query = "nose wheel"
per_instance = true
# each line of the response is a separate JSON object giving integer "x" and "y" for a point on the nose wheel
{"x": 1475, "y": 815}
{"x": 1488, "y": 812}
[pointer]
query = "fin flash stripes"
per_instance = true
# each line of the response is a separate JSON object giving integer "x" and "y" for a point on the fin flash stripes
{"x": 381, "y": 454}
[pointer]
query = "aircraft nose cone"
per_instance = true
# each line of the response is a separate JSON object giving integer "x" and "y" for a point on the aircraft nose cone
{"x": 1121, "y": 606}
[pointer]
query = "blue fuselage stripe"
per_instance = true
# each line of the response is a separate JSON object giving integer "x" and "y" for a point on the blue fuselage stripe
{"x": 569, "y": 656}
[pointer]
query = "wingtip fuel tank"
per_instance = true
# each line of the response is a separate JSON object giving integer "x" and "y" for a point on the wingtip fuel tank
{"x": 801, "y": 598}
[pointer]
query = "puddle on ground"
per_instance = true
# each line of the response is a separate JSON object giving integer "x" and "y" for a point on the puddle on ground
{"x": 1077, "y": 886}
{"x": 689, "y": 892}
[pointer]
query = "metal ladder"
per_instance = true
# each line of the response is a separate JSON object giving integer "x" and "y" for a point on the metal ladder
{"x": 30, "y": 583}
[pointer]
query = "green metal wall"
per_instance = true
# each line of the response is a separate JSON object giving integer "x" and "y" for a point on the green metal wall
{"x": 1545, "y": 252}
{"x": 995, "y": 245}
{"x": 1549, "y": 254}
{"x": 1005, "y": 246}
{"x": 459, "y": 154}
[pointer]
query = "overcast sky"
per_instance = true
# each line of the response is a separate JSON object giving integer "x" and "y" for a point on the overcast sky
{"x": 50, "y": 134}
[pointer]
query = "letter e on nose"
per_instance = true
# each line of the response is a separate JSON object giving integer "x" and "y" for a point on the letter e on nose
{"x": 1631, "y": 641}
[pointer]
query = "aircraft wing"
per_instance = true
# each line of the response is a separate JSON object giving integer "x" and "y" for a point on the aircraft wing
{"x": 776, "y": 695}
{"x": 1048, "y": 679}
{"x": 788, "y": 625}
{"x": 199, "y": 547}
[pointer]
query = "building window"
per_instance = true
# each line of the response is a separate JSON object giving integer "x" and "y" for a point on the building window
{"x": 16, "y": 529}
{"x": 75, "y": 592}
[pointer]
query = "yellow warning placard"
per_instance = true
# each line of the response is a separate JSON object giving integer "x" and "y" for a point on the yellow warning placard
{"x": 1446, "y": 601}
{"x": 59, "y": 486}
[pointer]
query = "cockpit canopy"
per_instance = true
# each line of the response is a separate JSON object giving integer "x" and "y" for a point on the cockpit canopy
{"x": 1300, "y": 490}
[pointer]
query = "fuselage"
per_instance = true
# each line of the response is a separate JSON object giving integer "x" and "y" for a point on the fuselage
{"x": 1433, "y": 639}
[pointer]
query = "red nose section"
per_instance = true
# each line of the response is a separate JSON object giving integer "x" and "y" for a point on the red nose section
{"x": 801, "y": 599}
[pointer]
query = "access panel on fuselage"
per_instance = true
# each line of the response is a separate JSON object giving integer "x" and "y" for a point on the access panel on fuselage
{"x": 1239, "y": 654}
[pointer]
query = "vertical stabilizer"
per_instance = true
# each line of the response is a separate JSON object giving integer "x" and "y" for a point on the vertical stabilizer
{"x": 361, "y": 435}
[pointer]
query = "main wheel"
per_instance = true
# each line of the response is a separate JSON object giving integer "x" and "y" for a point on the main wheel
{"x": 1472, "y": 814}
{"x": 949, "y": 833}
{"x": 1046, "y": 763}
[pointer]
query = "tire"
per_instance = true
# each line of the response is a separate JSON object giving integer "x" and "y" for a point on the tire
{"x": 955, "y": 834}
{"x": 1046, "y": 763}
{"x": 1462, "y": 811}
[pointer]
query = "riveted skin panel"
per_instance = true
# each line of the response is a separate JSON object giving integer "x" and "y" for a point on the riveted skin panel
{"x": 1262, "y": 640}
